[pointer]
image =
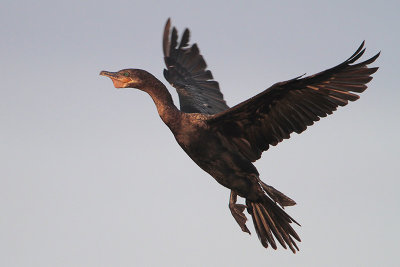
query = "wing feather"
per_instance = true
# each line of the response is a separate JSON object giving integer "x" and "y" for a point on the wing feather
{"x": 187, "y": 72}
{"x": 291, "y": 106}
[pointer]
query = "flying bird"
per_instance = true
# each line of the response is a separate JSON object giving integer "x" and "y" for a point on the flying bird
{"x": 225, "y": 141}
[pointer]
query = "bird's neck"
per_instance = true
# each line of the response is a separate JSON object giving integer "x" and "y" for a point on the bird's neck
{"x": 168, "y": 112}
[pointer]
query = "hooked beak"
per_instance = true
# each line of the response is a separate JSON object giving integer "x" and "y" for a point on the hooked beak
{"x": 109, "y": 74}
{"x": 118, "y": 81}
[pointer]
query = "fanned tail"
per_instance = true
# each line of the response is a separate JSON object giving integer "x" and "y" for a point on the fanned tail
{"x": 269, "y": 221}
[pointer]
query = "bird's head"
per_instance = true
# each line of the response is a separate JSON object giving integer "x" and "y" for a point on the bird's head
{"x": 129, "y": 78}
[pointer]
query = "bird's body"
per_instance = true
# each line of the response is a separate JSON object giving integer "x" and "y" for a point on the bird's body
{"x": 228, "y": 167}
{"x": 214, "y": 156}
{"x": 225, "y": 141}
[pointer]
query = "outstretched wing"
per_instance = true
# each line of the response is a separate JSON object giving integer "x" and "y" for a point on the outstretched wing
{"x": 186, "y": 71}
{"x": 271, "y": 116}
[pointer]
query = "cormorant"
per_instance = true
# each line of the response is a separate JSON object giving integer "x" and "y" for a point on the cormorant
{"x": 225, "y": 141}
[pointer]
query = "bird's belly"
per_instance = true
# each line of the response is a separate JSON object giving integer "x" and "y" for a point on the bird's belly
{"x": 228, "y": 168}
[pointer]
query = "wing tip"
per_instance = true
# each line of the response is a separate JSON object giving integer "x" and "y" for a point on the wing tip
{"x": 359, "y": 52}
{"x": 372, "y": 59}
{"x": 166, "y": 41}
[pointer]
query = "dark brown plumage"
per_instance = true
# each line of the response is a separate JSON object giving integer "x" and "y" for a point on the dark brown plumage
{"x": 225, "y": 141}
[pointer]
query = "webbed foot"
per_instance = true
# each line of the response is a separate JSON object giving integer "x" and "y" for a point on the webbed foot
{"x": 237, "y": 211}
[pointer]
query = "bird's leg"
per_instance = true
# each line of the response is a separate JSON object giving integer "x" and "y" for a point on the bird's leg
{"x": 277, "y": 196}
{"x": 237, "y": 212}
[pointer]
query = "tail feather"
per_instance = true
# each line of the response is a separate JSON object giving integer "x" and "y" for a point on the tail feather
{"x": 271, "y": 221}
{"x": 263, "y": 228}
{"x": 274, "y": 228}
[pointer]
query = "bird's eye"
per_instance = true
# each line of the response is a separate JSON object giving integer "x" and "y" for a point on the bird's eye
{"x": 126, "y": 74}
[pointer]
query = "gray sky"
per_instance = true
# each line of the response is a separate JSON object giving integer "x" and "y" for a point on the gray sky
{"x": 90, "y": 176}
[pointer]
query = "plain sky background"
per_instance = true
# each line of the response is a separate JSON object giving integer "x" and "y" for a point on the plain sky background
{"x": 90, "y": 176}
